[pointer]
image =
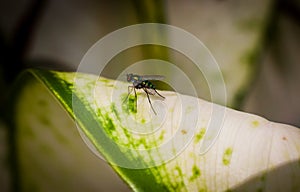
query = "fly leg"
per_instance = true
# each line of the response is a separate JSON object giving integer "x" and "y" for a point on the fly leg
{"x": 129, "y": 91}
{"x": 159, "y": 94}
{"x": 135, "y": 97}
{"x": 130, "y": 88}
{"x": 149, "y": 100}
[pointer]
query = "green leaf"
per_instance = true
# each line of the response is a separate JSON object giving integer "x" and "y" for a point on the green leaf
{"x": 163, "y": 152}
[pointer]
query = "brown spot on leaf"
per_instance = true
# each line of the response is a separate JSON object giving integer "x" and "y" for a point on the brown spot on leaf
{"x": 284, "y": 138}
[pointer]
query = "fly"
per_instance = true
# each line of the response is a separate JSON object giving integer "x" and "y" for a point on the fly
{"x": 142, "y": 82}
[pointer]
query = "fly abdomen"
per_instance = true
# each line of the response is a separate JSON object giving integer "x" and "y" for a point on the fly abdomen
{"x": 148, "y": 85}
{"x": 145, "y": 84}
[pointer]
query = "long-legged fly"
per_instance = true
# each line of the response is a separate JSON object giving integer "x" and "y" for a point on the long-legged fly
{"x": 142, "y": 82}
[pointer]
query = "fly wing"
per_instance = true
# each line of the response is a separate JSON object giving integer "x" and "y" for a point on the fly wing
{"x": 152, "y": 77}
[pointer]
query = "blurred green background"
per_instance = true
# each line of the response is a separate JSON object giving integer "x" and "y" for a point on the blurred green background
{"x": 256, "y": 43}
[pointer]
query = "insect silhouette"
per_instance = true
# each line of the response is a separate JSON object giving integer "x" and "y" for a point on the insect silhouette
{"x": 142, "y": 82}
